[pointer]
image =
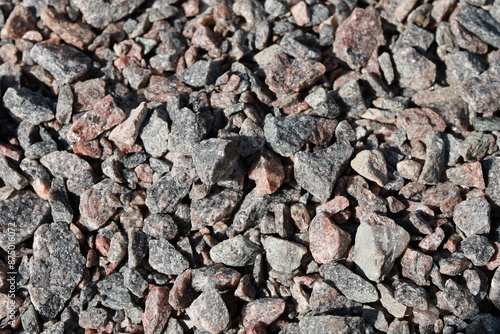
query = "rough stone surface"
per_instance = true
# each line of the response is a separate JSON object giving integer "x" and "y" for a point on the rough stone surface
{"x": 327, "y": 241}
{"x": 209, "y": 313}
{"x": 467, "y": 175}
{"x": 283, "y": 255}
{"x": 28, "y": 105}
{"x": 417, "y": 122}
{"x": 215, "y": 160}
{"x": 261, "y": 313}
{"x": 379, "y": 242}
{"x": 235, "y": 252}
{"x": 317, "y": 172}
{"x": 64, "y": 62}
{"x": 416, "y": 266}
{"x": 371, "y": 165}
{"x": 268, "y": 173}
{"x": 473, "y": 216}
{"x": 100, "y": 13}
{"x": 477, "y": 249}
{"x": 358, "y": 37}
{"x": 331, "y": 324}
{"x": 55, "y": 269}
{"x": 415, "y": 71}
{"x": 164, "y": 258}
{"x": 157, "y": 311}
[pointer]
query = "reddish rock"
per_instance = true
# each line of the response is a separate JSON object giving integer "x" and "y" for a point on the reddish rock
{"x": 267, "y": 172}
{"x": 300, "y": 216}
{"x": 327, "y": 241}
{"x": 74, "y": 33}
{"x": 87, "y": 93}
{"x": 481, "y": 92}
{"x": 452, "y": 264}
{"x": 300, "y": 13}
{"x": 217, "y": 276}
{"x": 467, "y": 175}
{"x": 182, "y": 295}
{"x": 262, "y": 312}
{"x": 160, "y": 88}
{"x": 105, "y": 115}
{"x": 452, "y": 243}
{"x": 416, "y": 266}
{"x": 395, "y": 11}
{"x": 443, "y": 196}
{"x": 156, "y": 311}
{"x": 418, "y": 121}
{"x": 358, "y": 37}
{"x": 91, "y": 148}
{"x": 126, "y": 133}
{"x": 20, "y": 21}
{"x": 10, "y": 151}
{"x": 286, "y": 75}
{"x": 432, "y": 241}
{"x": 494, "y": 262}
{"x": 333, "y": 206}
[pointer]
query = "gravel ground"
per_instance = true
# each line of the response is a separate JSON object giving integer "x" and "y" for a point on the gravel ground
{"x": 250, "y": 167}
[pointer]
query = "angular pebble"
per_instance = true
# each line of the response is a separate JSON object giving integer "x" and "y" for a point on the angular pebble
{"x": 215, "y": 159}
{"x": 417, "y": 122}
{"x": 200, "y": 74}
{"x": 235, "y": 252}
{"x": 125, "y": 134}
{"x": 28, "y": 105}
{"x": 371, "y": 165}
{"x": 331, "y": 324}
{"x": 415, "y": 70}
{"x": 467, "y": 175}
{"x": 55, "y": 269}
{"x": 154, "y": 134}
{"x": 283, "y": 255}
{"x": 164, "y": 258}
{"x": 473, "y": 216}
{"x": 268, "y": 173}
{"x": 156, "y": 311}
{"x": 100, "y": 13}
{"x": 209, "y": 312}
{"x": 165, "y": 194}
{"x": 351, "y": 285}
{"x": 416, "y": 266}
{"x": 327, "y": 241}
{"x": 379, "y": 242}
{"x": 318, "y": 172}
{"x": 262, "y": 312}
{"x": 65, "y": 63}
{"x": 478, "y": 249}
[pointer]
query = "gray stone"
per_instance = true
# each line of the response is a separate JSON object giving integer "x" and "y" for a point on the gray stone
{"x": 160, "y": 226}
{"x": 317, "y": 172}
{"x": 494, "y": 293}
{"x": 371, "y": 165}
{"x": 480, "y": 23}
{"x": 65, "y": 63}
{"x": 350, "y": 284}
{"x": 134, "y": 282}
{"x": 28, "y": 105}
{"x": 100, "y": 13}
{"x": 486, "y": 124}
{"x": 215, "y": 159}
{"x": 216, "y": 276}
{"x": 351, "y": 99}
{"x": 410, "y": 294}
{"x": 21, "y": 214}
{"x": 322, "y": 324}
{"x": 201, "y": 73}
{"x": 214, "y": 208}
{"x": 64, "y": 107}
{"x": 416, "y": 37}
{"x": 478, "y": 249}
{"x": 164, "y": 258}
{"x": 434, "y": 159}
{"x": 415, "y": 71}
{"x": 55, "y": 269}
{"x": 481, "y": 92}
{"x": 461, "y": 66}
{"x": 187, "y": 130}
{"x": 30, "y": 321}
{"x": 113, "y": 293}
{"x": 493, "y": 182}
{"x": 209, "y": 312}
{"x": 166, "y": 193}
{"x": 459, "y": 300}
{"x": 379, "y": 242}
{"x": 388, "y": 301}
{"x": 473, "y": 216}
{"x": 283, "y": 255}
{"x": 323, "y": 104}
{"x": 92, "y": 318}
{"x": 235, "y": 252}
{"x": 59, "y": 202}
{"x": 137, "y": 246}
{"x": 10, "y": 176}
{"x": 154, "y": 133}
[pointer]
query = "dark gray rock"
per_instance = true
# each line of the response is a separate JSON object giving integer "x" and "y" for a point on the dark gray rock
{"x": 201, "y": 73}
{"x": 215, "y": 159}
{"x": 154, "y": 133}
{"x": 480, "y": 23}
{"x": 493, "y": 182}
{"x": 64, "y": 107}
{"x": 434, "y": 159}
{"x": 286, "y": 135}
{"x": 164, "y": 258}
{"x": 92, "y": 318}
{"x": 283, "y": 255}
{"x": 10, "y": 176}
{"x": 415, "y": 36}
{"x": 30, "y": 321}
{"x": 350, "y": 99}
{"x": 486, "y": 124}
{"x": 322, "y": 324}
{"x": 326, "y": 299}
{"x": 460, "y": 300}
{"x": 461, "y": 66}
{"x": 160, "y": 226}
{"x": 28, "y": 105}
{"x": 187, "y": 130}
{"x": 134, "y": 282}
{"x": 473, "y": 216}
{"x": 65, "y": 63}
{"x": 100, "y": 13}
{"x": 21, "y": 214}
{"x": 351, "y": 285}
{"x": 317, "y": 172}
{"x": 166, "y": 193}
{"x": 75, "y": 170}
{"x": 59, "y": 202}
{"x": 477, "y": 146}
{"x": 478, "y": 249}
{"x": 55, "y": 268}
{"x": 494, "y": 293}
{"x": 410, "y": 294}
{"x": 113, "y": 293}
{"x": 213, "y": 208}
{"x": 137, "y": 246}
{"x": 481, "y": 92}
{"x": 235, "y": 252}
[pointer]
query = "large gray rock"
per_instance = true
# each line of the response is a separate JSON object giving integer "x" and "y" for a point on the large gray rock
{"x": 100, "y": 13}
{"x": 55, "y": 269}
{"x": 379, "y": 242}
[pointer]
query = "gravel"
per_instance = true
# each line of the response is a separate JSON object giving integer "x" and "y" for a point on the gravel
{"x": 249, "y": 166}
